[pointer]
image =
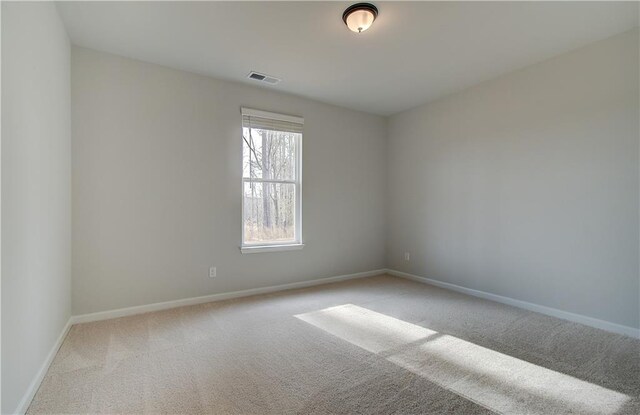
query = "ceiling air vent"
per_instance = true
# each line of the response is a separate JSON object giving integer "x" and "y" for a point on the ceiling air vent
{"x": 257, "y": 76}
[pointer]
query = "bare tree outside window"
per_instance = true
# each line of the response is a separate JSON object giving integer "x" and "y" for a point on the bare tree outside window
{"x": 270, "y": 169}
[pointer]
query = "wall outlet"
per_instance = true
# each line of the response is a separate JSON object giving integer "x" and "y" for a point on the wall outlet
{"x": 213, "y": 272}
{"x": 407, "y": 256}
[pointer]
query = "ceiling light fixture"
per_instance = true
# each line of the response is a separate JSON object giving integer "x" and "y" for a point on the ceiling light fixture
{"x": 360, "y": 16}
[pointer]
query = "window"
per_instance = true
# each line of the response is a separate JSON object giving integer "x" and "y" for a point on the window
{"x": 271, "y": 181}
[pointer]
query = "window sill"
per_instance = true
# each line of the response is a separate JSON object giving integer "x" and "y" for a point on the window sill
{"x": 270, "y": 248}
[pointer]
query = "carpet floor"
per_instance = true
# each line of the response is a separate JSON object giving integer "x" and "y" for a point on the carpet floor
{"x": 379, "y": 345}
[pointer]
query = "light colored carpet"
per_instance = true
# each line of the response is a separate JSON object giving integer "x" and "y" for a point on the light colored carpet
{"x": 369, "y": 346}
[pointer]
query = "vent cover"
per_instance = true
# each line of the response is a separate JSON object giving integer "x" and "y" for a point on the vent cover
{"x": 257, "y": 76}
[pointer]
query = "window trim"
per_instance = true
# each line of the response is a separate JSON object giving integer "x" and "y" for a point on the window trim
{"x": 271, "y": 115}
{"x": 256, "y": 249}
{"x": 278, "y": 245}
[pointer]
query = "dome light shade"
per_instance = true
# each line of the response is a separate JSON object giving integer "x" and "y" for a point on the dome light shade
{"x": 360, "y": 16}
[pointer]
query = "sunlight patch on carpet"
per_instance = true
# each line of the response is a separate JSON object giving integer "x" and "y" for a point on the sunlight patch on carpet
{"x": 495, "y": 380}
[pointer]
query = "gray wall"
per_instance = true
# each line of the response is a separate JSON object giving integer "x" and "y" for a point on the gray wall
{"x": 36, "y": 192}
{"x": 157, "y": 181}
{"x": 527, "y": 186}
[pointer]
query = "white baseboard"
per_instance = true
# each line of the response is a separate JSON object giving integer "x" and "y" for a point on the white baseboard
{"x": 554, "y": 312}
{"x": 105, "y": 315}
{"x": 37, "y": 380}
{"x": 122, "y": 312}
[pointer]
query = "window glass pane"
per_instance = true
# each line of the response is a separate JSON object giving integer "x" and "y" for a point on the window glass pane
{"x": 269, "y": 154}
{"x": 269, "y": 212}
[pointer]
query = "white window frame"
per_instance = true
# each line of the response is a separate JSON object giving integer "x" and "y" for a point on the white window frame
{"x": 276, "y": 246}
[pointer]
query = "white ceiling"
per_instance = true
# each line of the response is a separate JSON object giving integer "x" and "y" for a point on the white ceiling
{"x": 414, "y": 53}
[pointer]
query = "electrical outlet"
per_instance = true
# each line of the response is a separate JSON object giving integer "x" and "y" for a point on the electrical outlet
{"x": 407, "y": 256}
{"x": 213, "y": 272}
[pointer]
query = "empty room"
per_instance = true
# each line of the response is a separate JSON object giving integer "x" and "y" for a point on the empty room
{"x": 230, "y": 207}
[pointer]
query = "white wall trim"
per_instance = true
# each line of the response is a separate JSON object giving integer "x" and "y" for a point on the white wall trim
{"x": 554, "y": 312}
{"x": 122, "y": 312}
{"x": 271, "y": 115}
{"x": 37, "y": 380}
{"x": 248, "y": 249}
